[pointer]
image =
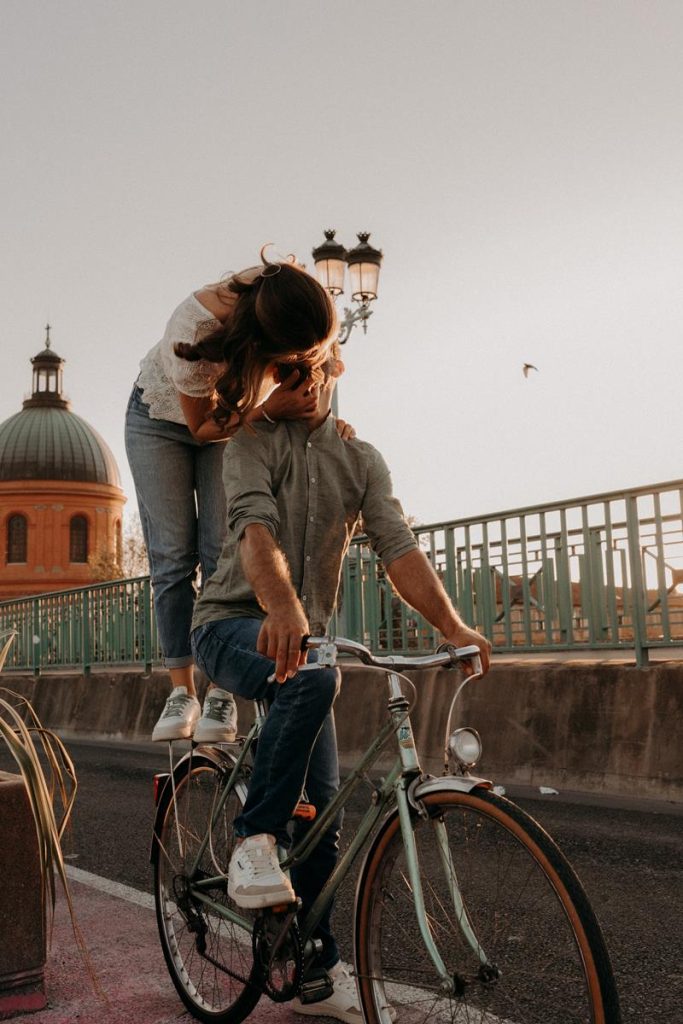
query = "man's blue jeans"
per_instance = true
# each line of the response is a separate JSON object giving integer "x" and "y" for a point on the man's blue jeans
{"x": 297, "y": 747}
{"x": 182, "y": 511}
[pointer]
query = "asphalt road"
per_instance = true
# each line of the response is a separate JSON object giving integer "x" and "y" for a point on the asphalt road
{"x": 627, "y": 853}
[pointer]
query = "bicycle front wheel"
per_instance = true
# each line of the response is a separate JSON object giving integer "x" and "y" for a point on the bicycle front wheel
{"x": 508, "y": 915}
{"x": 209, "y": 957}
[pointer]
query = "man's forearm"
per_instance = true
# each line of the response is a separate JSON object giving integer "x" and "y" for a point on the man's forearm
{"x": 266, "y": 569}
{"x": 420, "y": 587}
{"x": 286, "y": 624}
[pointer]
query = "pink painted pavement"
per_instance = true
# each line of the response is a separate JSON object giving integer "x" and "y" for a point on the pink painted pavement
{"x": 126, "y": 957}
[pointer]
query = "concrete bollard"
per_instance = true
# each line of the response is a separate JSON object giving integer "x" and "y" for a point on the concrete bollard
{"x": 22, "y": 910}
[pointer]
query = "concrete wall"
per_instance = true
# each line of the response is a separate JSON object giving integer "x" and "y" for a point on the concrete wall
{"x": 595, "y": 726}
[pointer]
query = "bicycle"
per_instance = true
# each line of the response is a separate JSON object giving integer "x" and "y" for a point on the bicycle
{"x": 466, "y": 911}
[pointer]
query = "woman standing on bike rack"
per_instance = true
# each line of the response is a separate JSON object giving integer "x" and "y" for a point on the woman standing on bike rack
{"x": 294, "y": 494}
{"x": 205, "y": 378}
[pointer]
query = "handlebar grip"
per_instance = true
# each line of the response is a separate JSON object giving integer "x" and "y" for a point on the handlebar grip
{"x": 470, "y": 655}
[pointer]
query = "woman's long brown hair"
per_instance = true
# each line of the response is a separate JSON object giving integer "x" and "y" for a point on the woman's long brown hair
{"x": 277, "y": 314}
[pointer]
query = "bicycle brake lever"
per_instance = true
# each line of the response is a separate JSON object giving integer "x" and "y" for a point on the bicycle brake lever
{"x": 327, "y": 655}
{"x": 327, "y": 658}
{"x": 461, "y": 656}
{"x": 308, "y": 667}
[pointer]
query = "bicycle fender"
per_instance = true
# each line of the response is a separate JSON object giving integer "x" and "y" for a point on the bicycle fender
{"x": 210, "y": 756}
{"x": 452, "y": 783}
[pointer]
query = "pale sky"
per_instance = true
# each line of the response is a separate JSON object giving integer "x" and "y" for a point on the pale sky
{"x": 519, "y": 163}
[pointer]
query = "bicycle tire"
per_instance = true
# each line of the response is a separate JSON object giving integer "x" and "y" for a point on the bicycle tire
{"x": 183, "y": 817}
{"x": 528, "y": 910}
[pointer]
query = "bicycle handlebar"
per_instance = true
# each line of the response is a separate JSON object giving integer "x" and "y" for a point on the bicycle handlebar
{"x": 446, "y": 654}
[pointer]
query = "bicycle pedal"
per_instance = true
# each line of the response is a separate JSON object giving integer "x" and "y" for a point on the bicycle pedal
{"x": 304, "y": 811}
{"x": 293, "y": 907}
{"x": 316, "y": 986}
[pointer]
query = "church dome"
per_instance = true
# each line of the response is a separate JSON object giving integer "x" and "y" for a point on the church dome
{"x": 46, "y": 441}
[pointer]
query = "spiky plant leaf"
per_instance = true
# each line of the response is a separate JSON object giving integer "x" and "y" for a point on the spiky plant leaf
{"x": 19, "y": 740}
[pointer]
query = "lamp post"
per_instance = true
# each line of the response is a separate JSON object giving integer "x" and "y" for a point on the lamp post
{"x": 331, "y": 260}
{"x": 363, "y": 261}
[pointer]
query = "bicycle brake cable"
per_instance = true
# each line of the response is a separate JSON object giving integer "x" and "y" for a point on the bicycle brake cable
{"x": 446, "y": 751}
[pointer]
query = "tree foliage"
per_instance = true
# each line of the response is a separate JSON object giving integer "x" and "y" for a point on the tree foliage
{"x": 132, "y": 560}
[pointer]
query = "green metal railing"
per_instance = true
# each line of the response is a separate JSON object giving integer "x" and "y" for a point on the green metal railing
{"x": 106, "y": 624}
{"x": 601, "y": 572}
{"x": 595, "y": 573}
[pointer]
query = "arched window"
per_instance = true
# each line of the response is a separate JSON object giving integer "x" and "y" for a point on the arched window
{"x": 78, "y": 539}
{"x": 17, "y": 534}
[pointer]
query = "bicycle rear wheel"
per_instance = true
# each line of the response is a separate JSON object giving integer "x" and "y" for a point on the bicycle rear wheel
{"x": 541, "y": 958}
{"x": 209, "y": 958}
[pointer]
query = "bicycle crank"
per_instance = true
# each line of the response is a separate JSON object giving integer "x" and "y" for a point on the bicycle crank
{"x": 278, "y": 952}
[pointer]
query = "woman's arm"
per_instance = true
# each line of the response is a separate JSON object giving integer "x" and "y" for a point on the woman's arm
{"x": 198, "y": 413}
{"x": 217, "y": 300}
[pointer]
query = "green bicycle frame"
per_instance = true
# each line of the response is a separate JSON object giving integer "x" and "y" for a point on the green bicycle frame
{"x": 392, "y": 790}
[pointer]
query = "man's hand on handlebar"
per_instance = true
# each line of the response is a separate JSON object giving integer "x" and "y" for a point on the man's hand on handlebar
{"x": 280, "y": 640}
{"x": 462, "y": 637}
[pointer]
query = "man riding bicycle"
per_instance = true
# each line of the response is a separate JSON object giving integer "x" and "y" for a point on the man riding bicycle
{"x": 295, "y": 493}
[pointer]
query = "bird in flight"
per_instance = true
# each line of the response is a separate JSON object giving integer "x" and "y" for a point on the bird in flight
{"x": 527, "y": 367}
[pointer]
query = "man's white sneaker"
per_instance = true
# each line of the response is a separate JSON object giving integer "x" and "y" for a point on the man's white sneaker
{"x": 343, "y": 1004}
{"x": 177, "y": 720}
{"x": 218, "y": 723}
{"x": 254, "y": 876}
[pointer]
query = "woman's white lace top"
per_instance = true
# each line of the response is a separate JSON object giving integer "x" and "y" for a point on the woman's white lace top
{"x": 163, "y": 374}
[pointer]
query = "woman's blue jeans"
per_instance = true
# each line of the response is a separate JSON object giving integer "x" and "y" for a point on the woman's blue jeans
{"x": 180, "y": 494}
{"x": 297, "y": 747}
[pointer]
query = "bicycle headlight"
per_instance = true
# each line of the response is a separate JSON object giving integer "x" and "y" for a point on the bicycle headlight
{"x": 465, "y": 746}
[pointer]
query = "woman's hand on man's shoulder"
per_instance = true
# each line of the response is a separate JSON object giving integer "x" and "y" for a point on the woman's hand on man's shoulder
{"x": 345, "y": 430}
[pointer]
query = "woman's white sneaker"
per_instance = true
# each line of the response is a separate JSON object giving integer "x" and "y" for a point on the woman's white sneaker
{"x": 343, "y": 1004}
{"x": 218, "y": 723}
{"x": 254, "y": 876}
{"x": 179, "y": 717}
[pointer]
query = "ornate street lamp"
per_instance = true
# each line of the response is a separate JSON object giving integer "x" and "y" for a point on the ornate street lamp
{"x": 330, "y": 263}
{"x": 363, "y": 261}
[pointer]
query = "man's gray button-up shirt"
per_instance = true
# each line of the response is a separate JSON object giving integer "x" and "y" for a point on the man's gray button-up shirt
{"x": 308, "y": 490}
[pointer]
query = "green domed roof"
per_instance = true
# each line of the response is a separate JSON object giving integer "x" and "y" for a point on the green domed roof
{"x": 54, "y": 444}
{"x": 46, "y": 441}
